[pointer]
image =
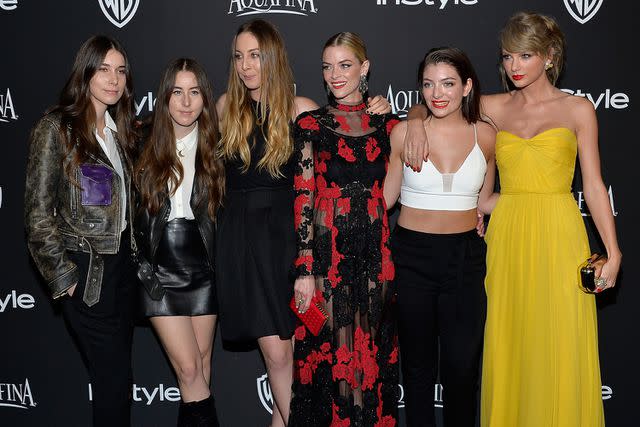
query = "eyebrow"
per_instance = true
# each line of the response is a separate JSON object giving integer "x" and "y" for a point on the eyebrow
{"x": 255, "y": 49}
{"x": 442, "y": 80}
{"x": 339, "y": 62}
{"x": 106, "y": 64}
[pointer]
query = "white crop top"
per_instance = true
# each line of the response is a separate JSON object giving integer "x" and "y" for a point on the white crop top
{"x": 432, "y": 190}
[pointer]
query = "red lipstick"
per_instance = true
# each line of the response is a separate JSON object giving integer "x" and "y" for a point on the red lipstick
{"x": 517, "y": 76}
{"x": 439, "y": 104}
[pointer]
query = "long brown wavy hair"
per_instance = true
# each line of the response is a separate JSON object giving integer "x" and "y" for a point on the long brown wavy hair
{"x": 276, "y": 97}
{"x": 158, "y": 168}
{"x": 78, "y": 116}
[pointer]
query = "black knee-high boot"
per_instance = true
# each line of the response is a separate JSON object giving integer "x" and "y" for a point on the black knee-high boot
{"x": 198, "y": 414}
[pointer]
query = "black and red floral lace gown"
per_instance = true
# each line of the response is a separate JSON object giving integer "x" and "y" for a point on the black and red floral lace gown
{"x": 348, "y": 374}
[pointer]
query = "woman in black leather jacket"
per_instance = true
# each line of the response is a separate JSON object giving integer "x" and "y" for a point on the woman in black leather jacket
{"x": 180, "y": 183}
{"x": 77, "y": 205}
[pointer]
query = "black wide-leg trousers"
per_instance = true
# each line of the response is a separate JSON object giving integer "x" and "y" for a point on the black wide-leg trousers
{"x": 103, "y": 333}
{"x": 441, "y": 304}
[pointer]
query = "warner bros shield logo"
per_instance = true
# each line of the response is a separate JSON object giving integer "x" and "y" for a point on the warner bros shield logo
{"x": 264, "y": 392}
{"x": 583, "y": 10}
{"x": 119, "y": 12}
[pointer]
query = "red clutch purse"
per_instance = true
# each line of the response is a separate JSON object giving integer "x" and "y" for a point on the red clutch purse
{"x": 315, "y": 317}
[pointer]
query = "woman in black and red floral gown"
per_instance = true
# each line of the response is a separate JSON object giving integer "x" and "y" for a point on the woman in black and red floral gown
{"x": 348, "y": 374}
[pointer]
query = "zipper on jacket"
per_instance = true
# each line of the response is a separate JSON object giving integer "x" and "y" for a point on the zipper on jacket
{"x": 74, "y": 197}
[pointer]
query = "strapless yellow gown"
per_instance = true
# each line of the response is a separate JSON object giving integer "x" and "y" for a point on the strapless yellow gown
{"x": 540, "y": 361}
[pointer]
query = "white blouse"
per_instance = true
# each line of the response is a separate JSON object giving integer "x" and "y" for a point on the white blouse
{"x": 108, "y": 145}
{"x": 180, "y": 201}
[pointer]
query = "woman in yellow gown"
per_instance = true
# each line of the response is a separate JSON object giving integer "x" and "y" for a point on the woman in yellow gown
{"x": 540, "y": 361}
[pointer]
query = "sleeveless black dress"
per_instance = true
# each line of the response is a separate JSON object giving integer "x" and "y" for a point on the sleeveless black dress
{"x": 256, "y": 247}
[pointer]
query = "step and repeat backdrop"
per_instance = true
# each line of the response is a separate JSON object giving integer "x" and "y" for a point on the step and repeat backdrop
{"x": 42, "y": 377}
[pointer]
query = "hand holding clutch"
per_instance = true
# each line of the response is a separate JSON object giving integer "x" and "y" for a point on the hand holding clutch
{"x": 587, "y": 279}
{"x": 315, "y": 317}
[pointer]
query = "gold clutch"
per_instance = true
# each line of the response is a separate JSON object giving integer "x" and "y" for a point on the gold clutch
{"x": 587, "y": 272}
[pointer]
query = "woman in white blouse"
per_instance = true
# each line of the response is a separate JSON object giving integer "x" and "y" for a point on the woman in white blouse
{"x": 180, "y": 184}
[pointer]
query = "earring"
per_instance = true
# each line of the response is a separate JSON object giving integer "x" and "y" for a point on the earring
{"x": 363, "y": 86}
{"x": 326, "y": 87}
{"x": 548, "y": 66}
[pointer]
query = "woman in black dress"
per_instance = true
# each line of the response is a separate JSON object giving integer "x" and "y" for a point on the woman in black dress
{"x": 181, "y": 182}
{"x": 256, "y": 240}
{"x": 348, "y": 374}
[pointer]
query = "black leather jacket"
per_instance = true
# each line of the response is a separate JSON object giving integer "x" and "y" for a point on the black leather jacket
{"x": 56, "y": 221}
{"x": 149, "y": 228}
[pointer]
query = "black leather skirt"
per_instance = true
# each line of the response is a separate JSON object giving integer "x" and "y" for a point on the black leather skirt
{"x": 183, "y": 268}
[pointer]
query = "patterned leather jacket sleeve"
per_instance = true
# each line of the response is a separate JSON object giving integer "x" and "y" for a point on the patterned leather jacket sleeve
{"x": 43, "y": 181}
{"x": 305, "y": 186}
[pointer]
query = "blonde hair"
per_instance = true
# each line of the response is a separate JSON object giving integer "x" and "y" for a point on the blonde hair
{"x": 534, "y": 32}
{"x": 351, "y": 40}
{"x": 276, "y": 99}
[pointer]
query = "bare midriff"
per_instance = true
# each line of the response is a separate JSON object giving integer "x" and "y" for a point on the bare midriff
{"x": 437, "y": 222}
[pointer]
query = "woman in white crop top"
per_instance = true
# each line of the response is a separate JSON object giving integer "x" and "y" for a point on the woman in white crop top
{"x": 439, "y": 256}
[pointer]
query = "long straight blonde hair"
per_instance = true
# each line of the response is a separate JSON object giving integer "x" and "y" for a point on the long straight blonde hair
{"x": 276, "y": 98}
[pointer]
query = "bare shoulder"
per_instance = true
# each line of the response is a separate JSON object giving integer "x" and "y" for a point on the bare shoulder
{"x": 304, "y": 104}
{"x": 492, "y": 106}
{"x": 486, "y": 131}
{"x": 397, "y": 135}
{"x": 486, "y": 138}
{"x": 399, "y": 129}
{"x": 579, "y": 112}
{"x": 579, "y": 104}
{"x": 494, "y": 100}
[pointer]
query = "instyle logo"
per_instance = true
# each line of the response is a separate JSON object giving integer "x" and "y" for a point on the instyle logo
{"x": 259, "y": 7}
{"x": 402, "y": 100}
{"x": 8, "y": 4}
{"x": 607, "y": 99}
{"x": 149, "y": 395}
{"x": 17, "y": 395}
{"x": 15, "y": 301}
{"x": 119, "y": 12}
{"x": 440, "y": 3}
{"x": 145, "y": 104}
{"x": 583, "y": 10}
{"x": 7, "y": 111}
{"x": 582, "y": 204}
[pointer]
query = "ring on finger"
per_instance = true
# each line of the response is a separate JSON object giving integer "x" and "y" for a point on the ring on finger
{"x": 601, "y": 282}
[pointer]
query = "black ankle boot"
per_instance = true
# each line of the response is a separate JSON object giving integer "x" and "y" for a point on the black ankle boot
{"x": 198, "y": 414}
{"x": 185, "y": 418}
